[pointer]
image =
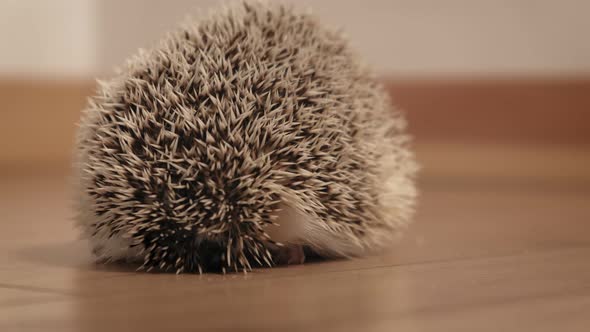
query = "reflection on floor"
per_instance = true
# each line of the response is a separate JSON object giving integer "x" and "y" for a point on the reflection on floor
{"x": 490, "y": 256}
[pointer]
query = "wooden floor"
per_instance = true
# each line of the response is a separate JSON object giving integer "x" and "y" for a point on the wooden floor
{"x": 481, "y": 256}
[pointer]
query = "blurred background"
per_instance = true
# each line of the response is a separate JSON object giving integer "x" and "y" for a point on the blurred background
{"x": 497, "y": 93}
{"x": 493, "y": 88}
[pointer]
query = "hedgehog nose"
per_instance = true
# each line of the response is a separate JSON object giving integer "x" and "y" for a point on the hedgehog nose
{"x": 211, "y": 255}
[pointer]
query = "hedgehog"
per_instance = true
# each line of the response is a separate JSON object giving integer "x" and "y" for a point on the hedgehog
{"x": 251, "y": 137}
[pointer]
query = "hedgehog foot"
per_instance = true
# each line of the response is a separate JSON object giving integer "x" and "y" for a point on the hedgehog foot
{"x": 290, "y": 254}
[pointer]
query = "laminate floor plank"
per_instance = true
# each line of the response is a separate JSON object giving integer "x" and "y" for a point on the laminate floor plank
{"x": 478, "y": 257}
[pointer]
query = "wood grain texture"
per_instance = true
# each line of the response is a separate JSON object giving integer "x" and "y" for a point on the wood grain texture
{"x": 501, "y": 239}
{"x": 480, "y": 257}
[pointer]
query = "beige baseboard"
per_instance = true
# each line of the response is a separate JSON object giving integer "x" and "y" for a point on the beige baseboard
{"x": 525, "y": 128}
{"x": 554, "y": 111}
{"x": 495, "y": 164}
{"x": 38, "y": 119}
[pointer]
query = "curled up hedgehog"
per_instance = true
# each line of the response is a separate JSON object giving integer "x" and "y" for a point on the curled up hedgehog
{"x": 238, "y": 141}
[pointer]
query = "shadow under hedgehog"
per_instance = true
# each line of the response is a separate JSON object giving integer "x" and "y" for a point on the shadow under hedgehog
{"x": 236, "y": 142}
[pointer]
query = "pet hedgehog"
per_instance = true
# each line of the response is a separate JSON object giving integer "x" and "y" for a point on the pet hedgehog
{"x": 236, "y": 142}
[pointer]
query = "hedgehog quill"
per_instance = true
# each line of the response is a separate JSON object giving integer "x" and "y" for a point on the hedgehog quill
{"x": 239, "y": 140}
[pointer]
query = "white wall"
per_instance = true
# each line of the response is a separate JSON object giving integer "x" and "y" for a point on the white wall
{"x": 407, "y": 37}
{"x": 48, "y": 38}
{"x": 400, "y": 37}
